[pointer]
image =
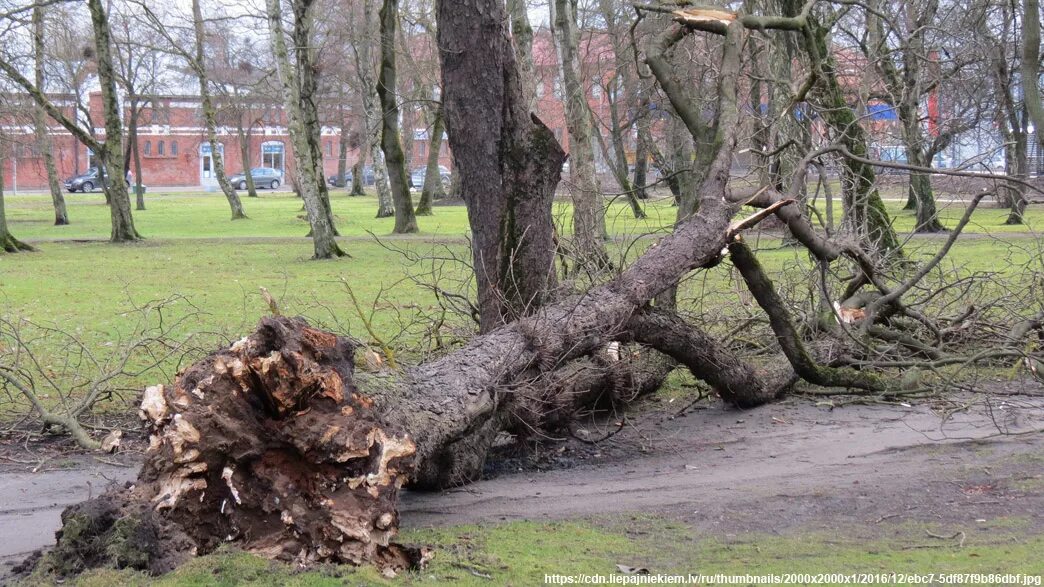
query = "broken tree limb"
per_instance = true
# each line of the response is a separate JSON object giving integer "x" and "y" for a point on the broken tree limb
{"x": 786, "y": 334}
{"x": 708, "y": 359}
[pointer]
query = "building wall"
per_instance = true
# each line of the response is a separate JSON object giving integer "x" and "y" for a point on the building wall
{"x": 174, "y": 125}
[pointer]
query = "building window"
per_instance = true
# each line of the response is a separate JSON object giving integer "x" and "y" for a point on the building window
{"x": 173, "y": 148}
{"x": 160, "y": 149}
{"x": 540, "y": 89}
{"x": 148, "y": 148}
{"x": 329, "y": 148}
{"x": 596, "y": 91}
{"x": 422, "y": 148}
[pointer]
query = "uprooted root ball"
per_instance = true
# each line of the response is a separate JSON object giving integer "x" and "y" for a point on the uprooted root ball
{"x": 267, "y": 445}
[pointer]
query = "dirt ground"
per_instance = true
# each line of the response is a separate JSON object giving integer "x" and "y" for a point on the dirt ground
{"x": 800, "y": 463}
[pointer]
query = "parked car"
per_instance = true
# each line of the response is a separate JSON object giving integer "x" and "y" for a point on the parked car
{"x": 418, "y": 175}
{"x": 264, "y": 177}
{"x": 367, "y": 177}
{"x": 86, "y": 181}
{"x": 339, "y": 182}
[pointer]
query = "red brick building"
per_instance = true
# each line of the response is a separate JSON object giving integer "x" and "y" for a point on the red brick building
{"x": 172, "y": 144}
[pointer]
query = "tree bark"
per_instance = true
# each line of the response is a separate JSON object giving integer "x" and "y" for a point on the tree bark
{"x": 43, "y": 136}
{"x": 372, "y": 110}
{"x": 432, "y": 179}
{"x": 8, "y": 243}
{"x": 588, "y": 211}
{"x": 297, "y": 86}
{"x": 522, "y": 37}
{"x": 1031, "y": 67}
{"x": 112, "y": 151}
{"x": 865, "y": 213}
{"x": 135, "y": 152}
{"x": 210, "y": 117}
{"x": 507, "y": 161}
{"x": 391, "y": 143}
{"x": 342, "y": 152}
{"x": 244, "y": 155}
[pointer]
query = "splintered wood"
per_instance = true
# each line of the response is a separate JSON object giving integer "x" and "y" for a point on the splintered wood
{"x": 268, "y": 445}
{"x": 696, "y": 16}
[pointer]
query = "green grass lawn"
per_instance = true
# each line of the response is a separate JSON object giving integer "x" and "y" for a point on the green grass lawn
{"x": 193, "y": 250}
{"x": 523, "y": 553}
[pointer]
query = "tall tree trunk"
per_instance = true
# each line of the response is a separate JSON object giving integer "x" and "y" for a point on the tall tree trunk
{"x": 112, "y": 152}
{"x": 210, "y": 117}
{"x": 244, "y": 155}
{"x": 133, "y": 155}
{"x": 1016, "y": 165}
{"x": 865, "y": 213}
{"x": 297, "y": 87}
{"x": 8, "y": 243}
{"x": 391, "y": 144}
{"x": 342, "y": 152}
{"x": 357, "y": 176}
{"x": 1031, "y": 67}
{"x": 522, "y": 35}
{"x": 641, "y": 155}
{"x": 920, "y": 184}
{"x": 618, "y": 158}
{"x": 372, "y": 110}
{"x": 432, "y": 178}
{"x": 43, "y": 136}
{"x": 508, "y": 161}
{"x": 588, "y": 212}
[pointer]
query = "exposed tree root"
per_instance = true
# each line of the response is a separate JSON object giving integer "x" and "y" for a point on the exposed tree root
{"x": 267, "y": 444}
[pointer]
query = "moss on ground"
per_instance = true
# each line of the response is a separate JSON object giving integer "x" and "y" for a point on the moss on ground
{"x": 521, "y": 553}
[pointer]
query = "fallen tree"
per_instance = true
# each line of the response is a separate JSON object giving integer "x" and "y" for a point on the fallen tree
{"x": 276, "y": 445}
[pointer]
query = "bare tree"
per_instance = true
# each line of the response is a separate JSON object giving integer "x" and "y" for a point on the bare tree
{"x": 298, "y": 86}
{"x": 110, "y": 151}
{"x": 588, "y": 208}
{"x": 43, "y": 135}
{"x": 391, "y": 143}
{"x": 363, "y": 47}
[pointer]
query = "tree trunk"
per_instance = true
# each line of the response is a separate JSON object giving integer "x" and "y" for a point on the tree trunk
{"x": 372, "y": 110}
{"x": 641, "y": 157}
{"x": 342, "y": 153}
{"x": 111, "y": 154}
{"x": 588, "y": 212}
{"x": 920, "y": 183}
{"x": 618, "y": 160}
{"x": 297, "y": 86}
{"x": 244, "y": 155}
{"x": 210, "y": 117}
{"x": 522, "y": 35}
{"x": 432, "y": 178}
{"x": 8, "y": 243}
{"x": 1016, "y": 165}
{"x": 43, "y": 136}
{"x": 135, "y": 152}
{"x": 1031, "y": 67}
{"x": 865, "y": 213}
{"x": 508, "y": 162}
{"x": 357, "y": 176}
{"x": 391, "y": 143}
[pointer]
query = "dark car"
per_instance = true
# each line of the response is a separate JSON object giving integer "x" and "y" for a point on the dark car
{"x": 86, "y": 181}
{"x": 367, "y": 177}
{"x": 264, "y": 177}
{"x": 418, "y": 175}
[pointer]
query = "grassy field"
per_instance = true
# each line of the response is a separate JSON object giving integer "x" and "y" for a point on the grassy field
{"x": 523, "y": 553}
{"x": 83, "y": 284}
{"x": 80, "y": 282}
